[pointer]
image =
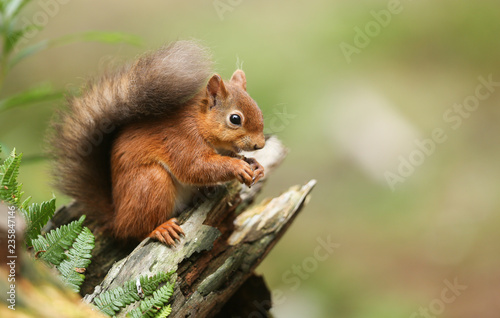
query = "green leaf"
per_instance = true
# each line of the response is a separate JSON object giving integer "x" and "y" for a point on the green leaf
{"x": 150, "y": 284}
{"x": 10, "y": 190}
{"x": 12, "y": 36}
{"x": 78, "y": 260}
{"x": 51, "y": 247}
{"x": 29, "y": 159}
{"x": 13, "y": 7}
{"x": 99, "y": 36}
{"x": 36, "y": 216}
{"x": 164, "y": 312}
{"x": 90, "y": 36}
{"x": 135, "y": 313}
{"x": 111, "y": 301}
{"x": 11, "y": 39}
{"x": 38, "y": 94}
{"x": 28, "y": 51}
{"x": 150, "y": 306}
{"x": 25, "y": 203}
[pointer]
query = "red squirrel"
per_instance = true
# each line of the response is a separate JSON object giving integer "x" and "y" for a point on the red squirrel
{"x": 138, "y": 142}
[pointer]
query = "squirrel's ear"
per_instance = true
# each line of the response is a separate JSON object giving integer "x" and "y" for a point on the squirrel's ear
{"x": 216, "y": 85}
{"x": 239, "y": 78}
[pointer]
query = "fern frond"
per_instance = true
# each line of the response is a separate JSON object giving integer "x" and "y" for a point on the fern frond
{"x": 78, "y": 259}
{"x": 10, "y": 190}
{"x": 164, "y": 312}
{"x": 151, "y": 305}
{"x": 150, "y": 284}
{"x": 36, "y": 216}
{"x": 25, "y": 203}
{"x": 111, "y": 301}
{"x": 51, "y": 247}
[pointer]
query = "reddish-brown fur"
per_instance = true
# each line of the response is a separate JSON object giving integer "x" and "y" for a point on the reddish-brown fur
{"x": 150, "y": 158}
{"x": 138, "y": 140}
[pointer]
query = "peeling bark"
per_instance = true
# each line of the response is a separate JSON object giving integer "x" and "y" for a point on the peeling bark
{"x": 225, "y": 240}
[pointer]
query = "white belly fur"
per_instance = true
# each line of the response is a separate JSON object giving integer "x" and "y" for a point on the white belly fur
{"x": 184, "y": 193}
{"x": 183, "y": 197}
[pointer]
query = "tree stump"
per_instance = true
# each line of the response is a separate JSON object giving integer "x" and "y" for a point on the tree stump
{"x": 226, "y": 238}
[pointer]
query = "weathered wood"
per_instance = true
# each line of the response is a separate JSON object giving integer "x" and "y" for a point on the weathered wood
{"x": 108, "y": 250}
{"x": 210, "y": 265}
{"x": 225, "y": 240}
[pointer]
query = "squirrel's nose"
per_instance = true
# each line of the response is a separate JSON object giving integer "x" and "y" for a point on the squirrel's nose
{"x": 259, "y": 146}
{"x": 260, "y": 142}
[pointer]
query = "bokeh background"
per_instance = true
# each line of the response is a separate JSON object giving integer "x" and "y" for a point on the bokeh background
{"x": 348, "y": 119}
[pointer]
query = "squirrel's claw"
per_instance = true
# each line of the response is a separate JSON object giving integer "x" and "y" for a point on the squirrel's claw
{"x": 258, "y": 175}
{"x": 258, "y": 169}
{"x": 167, "y": 232}
{"x": 243, "y": 172}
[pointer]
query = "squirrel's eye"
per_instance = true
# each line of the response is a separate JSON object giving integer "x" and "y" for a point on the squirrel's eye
{"x": 235, "y": 119}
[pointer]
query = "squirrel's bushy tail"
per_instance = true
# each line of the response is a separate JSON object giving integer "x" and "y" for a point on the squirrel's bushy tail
{"x": 153, "y": 85}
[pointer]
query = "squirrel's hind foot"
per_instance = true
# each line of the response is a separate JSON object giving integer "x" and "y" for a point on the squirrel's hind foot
{"x": 167, "y": 232}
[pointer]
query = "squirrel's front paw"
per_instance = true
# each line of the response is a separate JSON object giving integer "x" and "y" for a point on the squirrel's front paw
{"x": 243, "y": 172}
{"x": 168, "y": 232}
{"x": 258, "y": 169}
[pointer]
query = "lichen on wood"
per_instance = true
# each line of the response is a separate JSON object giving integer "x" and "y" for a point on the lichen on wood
{"x": 226, "y": 238}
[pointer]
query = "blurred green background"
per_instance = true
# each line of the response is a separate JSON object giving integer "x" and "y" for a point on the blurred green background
{"x": 347, "y": 120}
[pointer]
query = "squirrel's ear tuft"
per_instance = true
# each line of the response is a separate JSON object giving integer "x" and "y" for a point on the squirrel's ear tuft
{"x": 239, "y": 78}
{"x": 216, "y": 85}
